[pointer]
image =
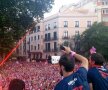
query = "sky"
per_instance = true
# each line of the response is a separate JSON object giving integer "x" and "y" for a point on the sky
{"x": 58, "y": 4}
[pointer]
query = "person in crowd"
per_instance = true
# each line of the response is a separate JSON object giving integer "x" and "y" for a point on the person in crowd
{"x": 106, "y": 66}
{"x": 0, "y": 82}
{"x": 49, "y": 59}
{"x": 16, "y": 84}
{"x": 72, "y": 80}
{"x": 39, "y": 75}
{"x": 97, "y": 74}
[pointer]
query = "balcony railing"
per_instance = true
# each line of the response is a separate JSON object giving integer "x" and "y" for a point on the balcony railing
{"x": 55, "y": 27}
{"x": 51, "y": 50}
{"x": 64, "y": 37}
{"x": 51, "y": 39}
{"x": 55, "y": 50}
{"x": 28, "y": 42}
{"x": 54, "y": 38}
{"x": 47, "y": 50}
{"x": 65, "y": 25}
{"x": 46, "y": 29}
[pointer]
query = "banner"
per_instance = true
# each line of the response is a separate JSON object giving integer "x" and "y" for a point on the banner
{"x": 55, "y": 59}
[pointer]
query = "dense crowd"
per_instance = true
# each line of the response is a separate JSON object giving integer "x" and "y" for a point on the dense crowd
{"x": 73, "y": 72}
{"x": 36, "y": 75}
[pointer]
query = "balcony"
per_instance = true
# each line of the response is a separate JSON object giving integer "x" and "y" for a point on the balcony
{"x": 28, "y": 51}
{"x": 28, "y": 42}
{"x": 50, "y": 39}
{"x": 51, "y": 50}
{"x": 77, "y": 26}
{"x": 46, "y": 29}
{"x": 65, "y": 25}
{"x": 47, "y": 50}
{"x": 55, "y": 50}
{"x": 55, "y": 27}
{"x": 65, "y": 37}
{"x": 47, "y": 39}
{"x": 54, "y": 38}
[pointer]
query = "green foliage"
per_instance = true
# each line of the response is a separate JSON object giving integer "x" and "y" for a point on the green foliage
{"x": 16, "y": 16}
{"x": 66, "y": 43}
{"x": 96, "y": 36}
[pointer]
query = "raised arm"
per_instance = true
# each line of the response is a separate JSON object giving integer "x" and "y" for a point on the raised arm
{"x": 84, "y": 61}
{"x": 81, "y": 58}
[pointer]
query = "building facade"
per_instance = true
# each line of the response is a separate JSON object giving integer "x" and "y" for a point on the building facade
{"x": 60, "y": 28}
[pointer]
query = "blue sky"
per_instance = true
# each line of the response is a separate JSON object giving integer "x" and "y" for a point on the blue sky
{"x": 58, "y": 4}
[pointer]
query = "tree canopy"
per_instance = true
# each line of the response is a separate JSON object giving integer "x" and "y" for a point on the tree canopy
{"x": 97, "y": 36}
{"x": 16, "y": 16}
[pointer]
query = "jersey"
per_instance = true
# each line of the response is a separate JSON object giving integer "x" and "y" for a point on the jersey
{"x": 76, "y": 81}
{"x": 98, "y": 76}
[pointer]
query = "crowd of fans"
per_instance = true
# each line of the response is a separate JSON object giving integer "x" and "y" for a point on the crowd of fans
{"x": 73, "y": 72}
{"x": 36, "y": 75}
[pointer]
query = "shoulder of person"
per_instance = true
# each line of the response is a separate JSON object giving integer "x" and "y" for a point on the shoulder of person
{"x": 61, "y": 85}
{"x": 82, "y": 71}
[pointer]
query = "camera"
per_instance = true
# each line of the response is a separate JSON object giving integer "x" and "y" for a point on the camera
{"x": 62, "y": 47}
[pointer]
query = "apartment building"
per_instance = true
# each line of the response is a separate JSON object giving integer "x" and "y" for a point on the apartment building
{"x": 60, "y": 28}
{"x": 100, "y": 7}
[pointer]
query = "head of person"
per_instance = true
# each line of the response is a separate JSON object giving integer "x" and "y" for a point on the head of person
{"x": 96, "y": 59}
{"x": 66, "y": 64}
{"x": 16, "y": 84}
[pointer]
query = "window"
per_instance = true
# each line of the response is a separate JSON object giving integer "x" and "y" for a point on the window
{"x": 88, "y": 23}
{"x": 35, "y": 47}
{"x": 38, "y": 46}
{"x": 34, "y": 37}
{"x": 31, "y": 47}
{"x": 45, "y": 36}
{"x": 38, "y": 28}
{"x": 55, "y": 46}
{"x": 31, "y": 38}
{"x": 106, "y": 3}
{"x": 102, "y": 3}
{"x": 76, "y": 23}
{"x": 35, "y": 30}
{"x": 105, "y": 11}
{"x": 55, "y": 35}
{"x": 48, "y": 46}
{"x": 48, "y": 36}
{"x": 65, "y": 23}
{"x": 55, "y": 25}
{"x": 45, "y": 27}
{"x": 48, "y": 26}
{"x": 65, "y": 34}
{"x": 38, "y": 37}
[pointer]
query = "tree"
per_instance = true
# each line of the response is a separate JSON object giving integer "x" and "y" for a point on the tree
{"x": 16, "y": 16}
{"x": 97, "y": 36}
